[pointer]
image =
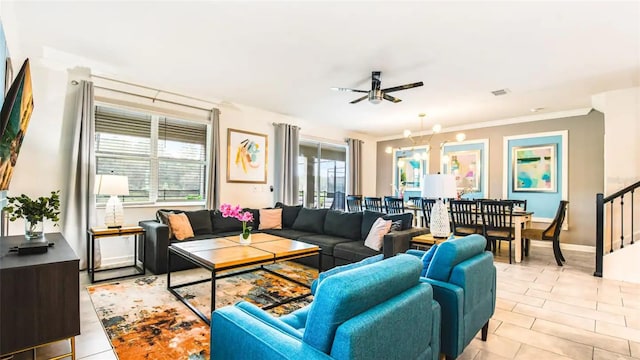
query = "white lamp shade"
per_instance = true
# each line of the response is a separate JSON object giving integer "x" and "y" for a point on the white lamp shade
{"x": 112, "y": 185}
{"x": 439, "y": 186}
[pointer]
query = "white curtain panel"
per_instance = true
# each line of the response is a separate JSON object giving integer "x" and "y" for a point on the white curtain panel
{"x": 354, "y": 185}
{"x": 285, "y": 177}
{"x": 79, "y": 204}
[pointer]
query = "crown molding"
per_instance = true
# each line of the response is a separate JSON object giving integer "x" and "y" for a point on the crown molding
{"x": 501, "y": 122}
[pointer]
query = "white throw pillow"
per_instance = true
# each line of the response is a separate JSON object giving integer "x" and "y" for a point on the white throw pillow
{"x": 376, "y": 235}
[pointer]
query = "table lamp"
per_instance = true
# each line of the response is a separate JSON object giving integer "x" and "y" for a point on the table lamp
{"x": 439, "y": 186}
{"x": 112, "y": 185}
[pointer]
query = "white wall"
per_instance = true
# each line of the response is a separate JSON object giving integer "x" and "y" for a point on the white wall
{"x": 621, "y": 110}
{"x": 43, "y": 162}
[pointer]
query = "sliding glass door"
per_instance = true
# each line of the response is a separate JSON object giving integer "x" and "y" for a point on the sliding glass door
{"x": 322, "y": 175}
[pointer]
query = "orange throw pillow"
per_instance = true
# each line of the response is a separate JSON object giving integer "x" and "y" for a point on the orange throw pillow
{"x": 270, "y": 219}
{"x": 180, "y": 226}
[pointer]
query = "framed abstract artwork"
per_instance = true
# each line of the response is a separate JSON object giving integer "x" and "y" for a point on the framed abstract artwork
{"x": 246, "y": 157}
{"x": 465, "y": 165}
{"x": 534, "y": 168}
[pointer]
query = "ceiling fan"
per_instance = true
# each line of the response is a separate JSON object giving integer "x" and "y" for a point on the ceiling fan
{"x": 375, "y": 95}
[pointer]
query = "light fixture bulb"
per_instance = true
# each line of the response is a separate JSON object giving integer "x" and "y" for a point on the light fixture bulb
{"x": 406, "y": 133}
{"x": 400, "y": 163}
{"x": 436, "y": 128}
{"x": 460, "y": 137}
{"x": 388, "y": 149}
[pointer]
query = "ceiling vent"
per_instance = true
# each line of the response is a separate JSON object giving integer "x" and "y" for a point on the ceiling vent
{"x": 500, "y": 92}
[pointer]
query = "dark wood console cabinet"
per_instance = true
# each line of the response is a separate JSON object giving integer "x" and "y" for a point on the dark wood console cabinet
{"x": 39, "y": 295}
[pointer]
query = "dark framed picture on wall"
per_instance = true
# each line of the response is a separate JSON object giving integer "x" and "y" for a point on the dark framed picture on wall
{"x": 534, "y": 168}
{"x": 246, "y": 157}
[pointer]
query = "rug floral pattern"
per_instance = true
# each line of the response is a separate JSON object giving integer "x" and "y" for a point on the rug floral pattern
{"x": 144, "y": 321}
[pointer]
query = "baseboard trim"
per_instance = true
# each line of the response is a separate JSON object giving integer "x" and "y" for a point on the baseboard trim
{"x": 575, "y": 247}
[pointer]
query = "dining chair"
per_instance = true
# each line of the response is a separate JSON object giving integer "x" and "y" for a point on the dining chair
{"x": 426, "y": 205}
{"x": 522, "y": 204}
{"x": 497, "y": 219}
{"x": 354, "y": 203}
{"x": 393, "y": 205}
{"x": 464, "y": 217}
{"x": 373, "y": 203}
{"x": 551, "y": 233}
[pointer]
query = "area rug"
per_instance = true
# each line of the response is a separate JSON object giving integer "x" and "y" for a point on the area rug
{"x": 144, "y": 321}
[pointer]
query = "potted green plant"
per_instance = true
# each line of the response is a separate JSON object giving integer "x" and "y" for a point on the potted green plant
{"x": 34, "y": 212}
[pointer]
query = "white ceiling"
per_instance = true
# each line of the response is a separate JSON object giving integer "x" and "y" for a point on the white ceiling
{"x": 285, "y": 56}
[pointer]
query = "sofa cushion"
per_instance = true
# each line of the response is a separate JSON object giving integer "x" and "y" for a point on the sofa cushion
{"x": 426, "y": 259}
{"x": 343, "y": 224}
{"x": 353, "y": 251}
{"x": 310, "y": 220}
{"x": 223, "y": 224}
{"x": 288, "y": 233}
{"x": 162, "y": 216}
{"x": 326, "y": 242}
{"x": 376, "y": 235}
{"x": 255, "y": 224}
{"x": 270, "y": 219}
{"x": 200, "y": 221}
{"x": 289, "y": 213}
{"x": 180, "y": 226}
{"x": 368, "y": 218}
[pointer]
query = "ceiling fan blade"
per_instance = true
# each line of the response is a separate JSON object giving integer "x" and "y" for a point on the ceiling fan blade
{"x": 403, "y": 87}
{"x": 391, "y": 98}
{"x": 375, "y": 81}
{"x": 359, "y": 99}
{"x": 349, "y": 90}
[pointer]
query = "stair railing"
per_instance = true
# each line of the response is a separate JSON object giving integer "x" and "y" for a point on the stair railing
{"x": 601, "y": 202}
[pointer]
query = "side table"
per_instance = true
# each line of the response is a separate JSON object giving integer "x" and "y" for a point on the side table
{"x": 103, "y": 232}
{"x": 427, "y": 240}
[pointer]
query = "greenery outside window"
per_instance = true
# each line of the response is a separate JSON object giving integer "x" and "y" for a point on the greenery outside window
{"x": 164, "y": 158}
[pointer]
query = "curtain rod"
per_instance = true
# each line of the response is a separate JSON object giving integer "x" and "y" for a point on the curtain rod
{"x": 153, "y": 99}
{"x": 154, "y": 89}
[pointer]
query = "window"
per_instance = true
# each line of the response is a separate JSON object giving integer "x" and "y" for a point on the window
{"x": 163, "y": 158}
{"x": 321, "y": 175}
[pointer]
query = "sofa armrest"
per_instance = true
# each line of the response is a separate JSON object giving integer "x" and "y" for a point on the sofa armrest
{"x": 237, "y": 334}
{"x": 398, "y": 241}
{"x": 156, "y": 244}
{"x": 450, "y": 297}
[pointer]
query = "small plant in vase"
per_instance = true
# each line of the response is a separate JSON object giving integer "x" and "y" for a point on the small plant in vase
{"x": 34, "y": 212}
{"x": 236, "y": 212}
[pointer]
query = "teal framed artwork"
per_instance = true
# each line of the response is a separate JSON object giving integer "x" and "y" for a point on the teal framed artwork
{"x": 534, "y": 168}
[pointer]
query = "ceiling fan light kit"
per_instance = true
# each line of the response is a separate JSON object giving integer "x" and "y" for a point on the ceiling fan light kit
{"x": 376, "y": 94}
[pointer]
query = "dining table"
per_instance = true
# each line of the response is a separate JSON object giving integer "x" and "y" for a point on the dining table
{"x": 521, "y": 220}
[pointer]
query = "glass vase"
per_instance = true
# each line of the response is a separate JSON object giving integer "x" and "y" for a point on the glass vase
{"x": 33, "y": 230}
{"x": 245, "y": 241}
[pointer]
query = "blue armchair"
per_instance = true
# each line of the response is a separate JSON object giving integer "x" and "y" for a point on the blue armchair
{"x": 463, "y": 278}
{"x": 375, "y": 311}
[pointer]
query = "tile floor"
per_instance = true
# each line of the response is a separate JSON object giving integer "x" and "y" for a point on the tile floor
{"x": 543, "y": 312}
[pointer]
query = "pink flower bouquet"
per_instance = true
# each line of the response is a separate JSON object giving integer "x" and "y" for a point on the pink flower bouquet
{"x": 236, "y": 212}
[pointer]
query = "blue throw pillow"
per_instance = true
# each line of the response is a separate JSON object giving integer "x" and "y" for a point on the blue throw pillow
{"x": 426, "y": 259}
{"x": 338, "y": 269}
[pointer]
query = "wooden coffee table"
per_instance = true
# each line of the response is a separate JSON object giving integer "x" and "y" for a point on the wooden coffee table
{"x": 223, "y": 254}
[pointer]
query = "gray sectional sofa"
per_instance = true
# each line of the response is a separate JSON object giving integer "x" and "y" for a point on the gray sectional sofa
{"x": 340, "y": 235}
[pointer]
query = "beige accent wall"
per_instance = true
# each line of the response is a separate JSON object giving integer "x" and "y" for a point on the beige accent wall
{"x": 586, "y": 165}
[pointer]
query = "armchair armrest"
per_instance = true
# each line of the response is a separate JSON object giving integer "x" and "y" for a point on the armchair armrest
{"x": 156, "y": 244}
{"x": 238, "y": 334}
{"x": 450, "y": 297}
{"x": 398, "y": 241}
